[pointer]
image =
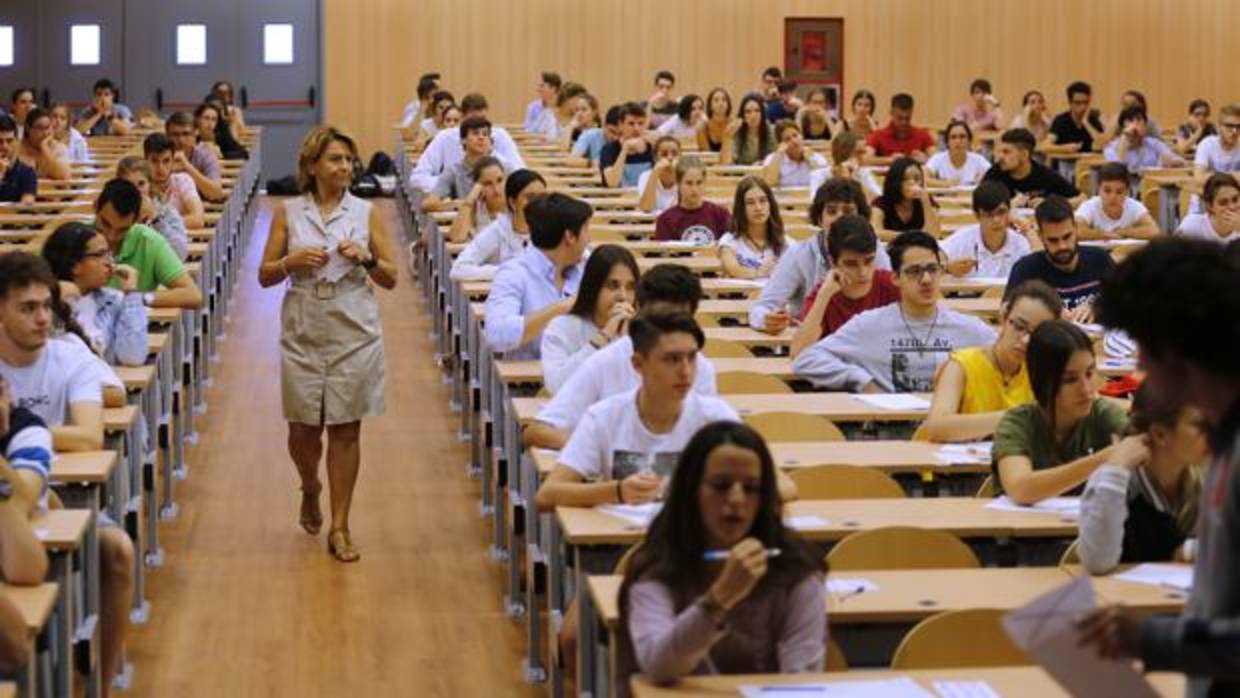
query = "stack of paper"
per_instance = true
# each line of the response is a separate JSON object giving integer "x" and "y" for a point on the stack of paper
{"x": 849, "y": 585}
{"x": 954, "y": 454}
{"x": 879, "y": 688}
{"x": 635, "y": 514}
{"x": 895, "y": 402}
{"x": 1066, "y": 507}
{"x": 964, "y": 689}
{"x": 800, "y": 523}
{"x": 1171, "y": 576}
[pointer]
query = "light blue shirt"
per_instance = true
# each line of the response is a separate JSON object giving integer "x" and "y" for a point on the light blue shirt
{"x": 590, "y": 144}
{"x": 524, "y": 284}
{"x": 1136, "y": 159}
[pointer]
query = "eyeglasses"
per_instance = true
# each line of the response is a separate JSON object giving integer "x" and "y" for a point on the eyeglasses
{"x": 101, "y": 254}
{"x": 1230, "y": 127}
{"x": 1021, "y": 327}
{"x": 912, "y": 273}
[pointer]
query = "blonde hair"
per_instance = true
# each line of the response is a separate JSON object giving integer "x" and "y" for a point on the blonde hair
{"x": 312, "y": 148}
{"x": 133, "y": 163}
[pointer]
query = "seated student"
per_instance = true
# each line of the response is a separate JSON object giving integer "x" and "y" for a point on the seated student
{"x": 535, "y": 287}
{"x": 585, "y": 118}
{"x": 817, "y": 118}
{"x": 977, "y": 385}
{"x": 1028, "y": 180}
{"x": 421, "y": 107}
{"x": 195, "y": 156}
{"x": 162, "y": 279}
{"x": 851, "y": 286}
{"x": 40, "y": 149}
{"x": 1141, "y": 504}
{"x": 864, "y": 105}
{"x": 623, "y": 161}
{"x": 896, "y": 348}
{"x": 1112, "y": 214}
{"x": 600, "y": 313}
{"x": 756, "y": 242}
{"x": 22, "y": 101}
{"x": 906, "y": 204}
{"x": 748, "y": 139}
{"x": 1050, "y": 447}
{"x": 712, "y": 132}
{"x": 230, "y": 131}
{"x": 958, "y": 165}
{"x": 588, "y": 147}
{"x": 114, "y": 319}
{"x": 982, "y": 112}
{"x": 68, "y": 136}
{"x": 667, "y": 288}
{"x": 446, "y": 149}
{"x": 692, "y": 218}
{"x": 104, "y": 116}
{"x": 804, "y": 266}
{"x": 1075, "y": 271}
{"x": 683, "y": 125}
{"x": 505, "y": 236}
{"x": 481, "y": 203}
{"x": 786, "y": 105}
{"x": 1135, "y": 148}
{"x": 992, "y": 246}
{"x": 432, "y": 124}
{"x": 791, "y": 163}
{"x": 847, "y": 151}
{"x": 1190, "y": 133}
{"x": 548, "y": 91}
{"x": 160, "y": 215}
{"x": 656, "y": 187}
{"x": 18, "y": 181}
{"x": 900, "y": 137}
{"x": 1221, "y": 221}
{"x": 750, "y": 611}
{"x": 457, "y": 180}
{"x": 1132, "y": 100}
{"x": 171, "y": 187}
{"x": 1221, "y": 152}
{"x": 1079, "y": 126}
{"x": 553, "y": 124}
{"x": 1032, "y": 116}
{"x": 662, "y": 103}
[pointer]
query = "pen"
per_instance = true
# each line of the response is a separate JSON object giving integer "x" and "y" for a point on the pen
{"x": 717, "y": 555}
{"x": 793, "y": 687}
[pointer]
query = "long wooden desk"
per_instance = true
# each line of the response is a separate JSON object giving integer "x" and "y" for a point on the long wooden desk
{"x": 838, "y": 407}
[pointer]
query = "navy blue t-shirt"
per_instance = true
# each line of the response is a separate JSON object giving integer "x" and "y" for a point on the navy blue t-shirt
{"x": 18, "y": 181}
{"x": 1081, "y": 285}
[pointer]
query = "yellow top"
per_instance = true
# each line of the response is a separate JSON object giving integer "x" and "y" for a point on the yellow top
{"x": 984, "y": 388}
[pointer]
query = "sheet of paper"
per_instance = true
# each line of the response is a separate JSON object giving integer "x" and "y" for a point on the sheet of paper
{"x": 964, "y": 689}
{"x": 800, "y": 523}
{"x": 894, "y": 401}
{"x": 964, "y": 453}
{"x": 41, "y": 533}
{"x": 1109, "y": 363}
{"x": 850, "y": 585}
{"x": 991, "y": 280}
{"x": 1173, "y": 576}
{"x": 634, "y": 514}
{"x": 1045, "y": 628}
{"x": 1066, "y": 507}
{"x": 903, "y": 687}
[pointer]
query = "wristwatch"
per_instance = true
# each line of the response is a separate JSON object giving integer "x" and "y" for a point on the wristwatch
{"x": 370, "y": 263}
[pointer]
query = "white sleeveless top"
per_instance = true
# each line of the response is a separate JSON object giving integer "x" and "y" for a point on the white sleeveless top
{"x": 307, "y": 229}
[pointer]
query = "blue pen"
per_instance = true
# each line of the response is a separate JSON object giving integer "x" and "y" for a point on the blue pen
{"x": 719, "y": 555}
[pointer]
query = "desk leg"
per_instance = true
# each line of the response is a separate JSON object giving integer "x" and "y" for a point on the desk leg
{"x": 586, "y": 620}
{"x": 61, "y": 572}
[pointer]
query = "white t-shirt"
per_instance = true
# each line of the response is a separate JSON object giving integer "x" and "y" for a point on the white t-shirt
{"x": 975, "y": 167}
{"x": 746, "y": 254}
{"x": 664, "y": 198}
{"x": 608, "y": 371}
{"x": 1093, "y": 215}
{"x": 966, "y": 243}
{"x": 65, "y": 372}
{"x": 797, "y": 174}
{"x": 1198, "y": 226}
{"x": 1210, "y": 155}
{"x": 612, "y": 443}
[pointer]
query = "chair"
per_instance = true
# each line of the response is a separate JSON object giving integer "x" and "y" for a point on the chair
{"x": 989, "y": 489}
{"x": 622, "y": 565}
{"x": 994, "y": 292}
{"x": 836, "y": 661}
{"x": 952, "y": 639}
{"x": 705, "y": 321}
{"x": 1071, "y": 556}
{"x": 901, "y": 548}
{"x": 748, "y": 383}
{"x": 844, "y": 482}
{"x": 921, "y": 433}
{"x": 723, "y": 349}
{"x": 794, "y": 426}
{"x": 605, "y": 236}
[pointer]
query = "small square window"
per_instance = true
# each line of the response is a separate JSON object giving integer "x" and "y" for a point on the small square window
{"x": 278, "y": 44}
{"x": 6, "y": 46}
{"x": 191, "y": 44}
{"x": 84, "y": 44}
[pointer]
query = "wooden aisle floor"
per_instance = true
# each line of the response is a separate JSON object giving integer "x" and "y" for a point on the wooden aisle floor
{"x": 247, "y": 604}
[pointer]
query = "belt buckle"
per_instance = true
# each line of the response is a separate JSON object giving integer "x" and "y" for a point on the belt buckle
{"x": 324, "y": 290}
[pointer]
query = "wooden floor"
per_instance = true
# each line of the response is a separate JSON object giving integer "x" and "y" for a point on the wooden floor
{"x": 249, "y": 605}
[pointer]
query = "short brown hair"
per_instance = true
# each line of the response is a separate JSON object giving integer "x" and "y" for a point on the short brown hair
{"x": 133, "y": 163}
{"x": 312, "y": 148}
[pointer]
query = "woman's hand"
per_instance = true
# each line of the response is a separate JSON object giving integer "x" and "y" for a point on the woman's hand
{"x": 306, "y": 259}
{"x": 744, "y": 568}
{"x": 353, "y": 252}
{"x": 127, "y": 276}
{"x": 617, "y": 321}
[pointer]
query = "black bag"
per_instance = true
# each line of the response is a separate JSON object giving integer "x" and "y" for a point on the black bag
{"x": 381, "y": 164}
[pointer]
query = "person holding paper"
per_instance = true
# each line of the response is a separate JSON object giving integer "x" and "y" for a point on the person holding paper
{"x": 990, "y": 247}
{"x": 330, "y": 246}
{"x": 719, "y": 585}
{"x": 1050, "y": 447}
{"x": 977, "y": 385}
{"x": 1141, "y": 505}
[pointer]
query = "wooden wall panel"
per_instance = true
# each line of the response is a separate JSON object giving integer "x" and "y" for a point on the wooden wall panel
{"x": 375, "y": 50}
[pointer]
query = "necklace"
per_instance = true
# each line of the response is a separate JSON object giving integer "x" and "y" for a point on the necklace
{"x": 993, "y": 355}
{"x": 921, "y": 343}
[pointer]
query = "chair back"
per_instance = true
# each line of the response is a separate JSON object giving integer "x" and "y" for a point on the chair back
{"x": 901, "y": 548}
{"x": 967, "y": 638}
{"x": 844, "y": 482}
{"x": 723, "y": 349}
{"x": 794, "y": 426}
{"x": 748, "y": 383}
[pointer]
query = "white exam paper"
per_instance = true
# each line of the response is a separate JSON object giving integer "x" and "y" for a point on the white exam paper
{"x": 799, "y": 523}
{"x": 903, "y": 687}
{"x": 635, "y": 514}
{"x": 1067, "y": 507}
{"x": 1174, "y": 576}
{"x": 895, "y": 402}
{"x": 850, "y": 585}
{"x": 964, "y": 689}
{"x": 964, "y": 453}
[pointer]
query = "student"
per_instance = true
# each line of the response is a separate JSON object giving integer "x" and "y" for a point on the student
{"x": 1028, "y": 180}
{"x": 40, "y": 149}
{"x": 552, "y": 124}
{"x": 446, "y": 149}
{"x": 18, "y": 181}
{"x": 749, "y": 139}
{"x": 847, "y": 152}
{"x": 162, "y": 279}
{"x": 505, "y": 236}
{"x": 601, "y": 313}
{"x": 804, "y": 266}
{"x": 114, "y": 319}
{"x": 195, "y": 157}
{"x": 232, "y": 117}
{"x": 692, "y": 218}
{"x": 786, "y": 106}
{"x": 1221, "y": 221}
{"x": 484, "y": 202}
{"x": 1141, "y": 504}
{"x": 585, "y": 119}
{"x": 623, "y": 161}
{"x": 1190, "y": 133}
{"x": 548, "y": 91}
{"x": 864, "y": 104}
{"x": 458, "y": 180}
{"x": 22, "y": 101}
{"x": 898, "y": 347}
{"x": 1075, "y": 271}
{"x": 1221, "y": 152}
{"x": 906, "y": 204}
{"x": 665, "y": 289}
{"x": 958, "y": 166}
{"x": 992, "y": 246}
{"x": 982, "y": 112}
{"x": 768, "y": 89}
{"x": 1155, "y": 296}
{"x": 712, "y": 132}
{"x": 206, "y": 122}
{"x": 662, "y": 104}
{"x": 899, "y": 136}
{"x": 430, "y": 126}
{"x": 170, "y": 187}
{"x": 104, "y": 116}
{"x": 656, "y": 187}
{"x": 748, "y": 613}
{"x": 421, "y": 107}
{"x": 792, "y": 162}
{"x": 753, "y": 247}
{"x": 817, "y": 118}
{"x": 1135, "y": 148}
{"x": 1132, "y": 99}
{"x": 1051, "y": 446}
{"x": 977, "y": 385}
{"x": 1113, "y": 214}
{"x": 537, "y": 286}
{"x": 1079, "y": 126}
{"x": 68, "y": 136}
{"x": 589, "y": 145}
{"x": 685, "y": 122}
{"x": 229, "y": 133}
{"x": 851, "y": 286}
{"x": 1032, "y": 116}
{"x": 162, "y": 216}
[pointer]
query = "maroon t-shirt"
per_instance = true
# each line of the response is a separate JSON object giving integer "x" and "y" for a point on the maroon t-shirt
{"x": 840, "y": 309}
{"x": 704, "y": 225}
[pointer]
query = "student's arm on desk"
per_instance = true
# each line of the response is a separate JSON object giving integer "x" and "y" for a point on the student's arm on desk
{"x": 181, "y": 292}
{"x": 22, "y": 558}
{"x": 83, "y": 431}
{"x": 1024, "y": 485}
{"x": 542, "y": 435}
{"x": 944, "y": 422}
{"x": 565, "y": 487}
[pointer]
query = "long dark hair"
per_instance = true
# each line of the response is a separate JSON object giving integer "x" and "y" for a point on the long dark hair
{"x": 1050, "y": 347}
{"x": 893, "y": 191}
{"x": 598, "y": 268}
{"x": 228, "y": 145}
{"x": 710, "y": 96}
{"x": 765, "y": 146}
{"x": 774, "y": 223}
{"x": 62, "y": 250}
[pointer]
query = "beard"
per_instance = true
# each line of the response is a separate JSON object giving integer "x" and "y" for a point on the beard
{"x": 1064, "y": 258}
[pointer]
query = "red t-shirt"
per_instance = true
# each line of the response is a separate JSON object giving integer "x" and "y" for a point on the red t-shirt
{"x": 885, "y": 143}
{"x": 841, "y": 309}
{"x": 704, "y": 225}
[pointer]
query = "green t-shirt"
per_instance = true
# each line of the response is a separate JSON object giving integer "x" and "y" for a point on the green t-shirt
{"x": 148, "y": 252}
{"x": 1025, "y": 431}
